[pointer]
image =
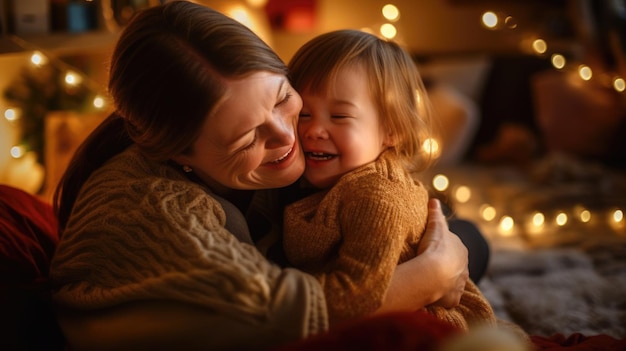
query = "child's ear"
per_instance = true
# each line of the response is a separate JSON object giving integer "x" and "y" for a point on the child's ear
{"x": 390, "y": 140}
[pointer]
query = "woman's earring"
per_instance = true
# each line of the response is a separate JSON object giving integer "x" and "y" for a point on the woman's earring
{"x": 187, "y": 169}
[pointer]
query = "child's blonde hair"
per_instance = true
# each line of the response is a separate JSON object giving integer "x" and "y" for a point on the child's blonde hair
{"x": 394, "y": 82}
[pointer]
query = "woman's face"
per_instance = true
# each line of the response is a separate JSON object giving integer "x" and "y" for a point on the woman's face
{"x": 250, "y": 141}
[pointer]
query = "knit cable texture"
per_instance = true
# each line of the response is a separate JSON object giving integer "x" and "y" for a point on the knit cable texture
{"x": 140, "y": 230}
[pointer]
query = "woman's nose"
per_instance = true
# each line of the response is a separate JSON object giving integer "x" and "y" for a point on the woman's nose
{"x": 282, "y": 133}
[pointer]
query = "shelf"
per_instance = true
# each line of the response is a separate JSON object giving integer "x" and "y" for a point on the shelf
{"x": 60, "y": 43}
{"x": 8, "y": 46}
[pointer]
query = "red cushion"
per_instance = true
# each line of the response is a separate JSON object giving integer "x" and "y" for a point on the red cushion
{"x": 395, "y": 331}
{"x": 28, "y": 237}
{"x": 578, "y": 342}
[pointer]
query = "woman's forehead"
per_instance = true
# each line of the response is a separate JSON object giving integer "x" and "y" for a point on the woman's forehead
{"x": 246, "y": 102}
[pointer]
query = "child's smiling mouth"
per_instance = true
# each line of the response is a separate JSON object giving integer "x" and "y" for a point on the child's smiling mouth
{"x": 319, "y": 156}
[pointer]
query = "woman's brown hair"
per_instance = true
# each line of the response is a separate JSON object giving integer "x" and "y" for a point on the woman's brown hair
{"x": 166, "y": 75}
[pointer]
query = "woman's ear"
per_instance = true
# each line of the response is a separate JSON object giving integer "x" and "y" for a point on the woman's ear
{"x": 181, "y": 160}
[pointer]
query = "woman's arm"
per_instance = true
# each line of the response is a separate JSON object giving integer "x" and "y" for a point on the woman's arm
{"x": 437, "y": 275}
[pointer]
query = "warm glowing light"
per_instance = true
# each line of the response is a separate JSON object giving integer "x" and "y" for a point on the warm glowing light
{"x": 510, "y": 22}
{"x": 17, "y": 151}
{"x": 538, "y": 219}
{"x": 585, "y": 72}
{"x": 585, "y": 216}
{"x": 463, "y": 194}
{"x": 388, "y": 31}
{"x": 619, "y": 84}
{"x": 98, "y": 102}
{"x": 488, "y": 212}
{"x": 540, "y": 46}
{"x": 561, "y": 219}
{"x": 441, "y": 182}
{"x": 616, "y": 220}
{"x": 251, "y": 13}
{"x": 38, "y": 59}
{"x": 618, "y": 216}
{"x": 11, "y": 114}
{"x": 391, "y": 12}
{"x": 257, "y": 3}
{"x": 506, "y": 225}
{"x": 490, "y": 19}
{"x": 536, "y": 223}
{"x": 240, "y": 14}
{"x": 431, "y": 147}
{"x": 72, "y": 78}
{"x": 558, "y": 61}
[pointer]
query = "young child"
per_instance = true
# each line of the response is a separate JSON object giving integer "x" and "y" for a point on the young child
{"x": 361, "y": 128}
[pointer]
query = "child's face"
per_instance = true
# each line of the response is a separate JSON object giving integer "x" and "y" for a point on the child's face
{"x": 339, "y": 129}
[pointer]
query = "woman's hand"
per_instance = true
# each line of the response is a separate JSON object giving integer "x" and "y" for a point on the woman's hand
{"x": 437, "y": 275}
{"x": 450, "y": 252}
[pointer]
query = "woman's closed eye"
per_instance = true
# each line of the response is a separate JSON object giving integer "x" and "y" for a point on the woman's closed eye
{"x": 251, "y": 145}
{"x": 288, "y": 95}
{"x": 248, "y": 145}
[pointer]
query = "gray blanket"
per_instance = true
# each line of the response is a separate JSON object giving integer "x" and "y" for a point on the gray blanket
{"x": 568, "y": 289}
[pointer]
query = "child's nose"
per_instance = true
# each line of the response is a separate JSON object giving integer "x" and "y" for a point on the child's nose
{"x": 314, "y": 130}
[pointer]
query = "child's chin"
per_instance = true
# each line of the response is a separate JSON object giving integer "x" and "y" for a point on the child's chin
{"x": 321, "y": 183}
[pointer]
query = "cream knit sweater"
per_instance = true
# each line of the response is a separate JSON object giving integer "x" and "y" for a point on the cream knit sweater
{"x": 140, "y": 231}
{"x": 352, "y": 236}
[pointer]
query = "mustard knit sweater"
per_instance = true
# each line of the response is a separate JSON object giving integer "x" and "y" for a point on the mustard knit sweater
{"x": 141, "y": 231}
{"x": 352, "y": 237}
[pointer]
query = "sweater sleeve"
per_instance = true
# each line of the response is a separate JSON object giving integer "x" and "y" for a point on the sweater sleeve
{"x": 474, "y": 309}
{"x": 374, "y": 230}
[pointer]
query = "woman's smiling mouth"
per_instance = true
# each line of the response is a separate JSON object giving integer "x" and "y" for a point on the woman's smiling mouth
{"x": 280, "y": 159}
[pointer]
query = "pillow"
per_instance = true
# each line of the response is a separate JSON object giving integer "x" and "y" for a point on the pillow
{"x": 28, "y": 237}
{"x": 396, "y": 331}
{"x": 579, "y": 342}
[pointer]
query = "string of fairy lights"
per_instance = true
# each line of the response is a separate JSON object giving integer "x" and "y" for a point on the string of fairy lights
{"x": 23, "y": 166}
{"x": 537, "y": 222}
{"x": 496, "y": 21}
{"x": 503, "y": 221}
{"x": 72, "y": 78}
{"x": 494, "y": 216}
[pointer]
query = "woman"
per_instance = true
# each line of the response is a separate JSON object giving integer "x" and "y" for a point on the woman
{"x": 155, "y": 253}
